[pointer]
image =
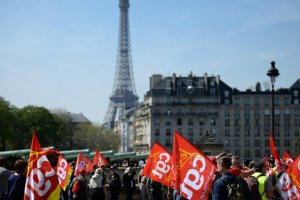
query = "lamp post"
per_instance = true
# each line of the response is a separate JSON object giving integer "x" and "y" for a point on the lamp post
{"x": 273, "y": 73}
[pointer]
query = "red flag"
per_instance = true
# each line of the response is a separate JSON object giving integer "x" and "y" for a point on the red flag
{"x": 41, "y": 181}
{"x": 159, "y": 165}
{"x": 64, "y": 172}
{"x": 267, "y": 162}
{"x": 287, "y": 159}
{"x": 288, "y": 183}
{"x": 99, "y": 160}
{"x": 275, "y": 153}
{"x": 83, "y": 163}
{"x": 193, "y": 171}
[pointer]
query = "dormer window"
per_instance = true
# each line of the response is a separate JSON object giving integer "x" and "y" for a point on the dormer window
{"x": 168, "y": 83}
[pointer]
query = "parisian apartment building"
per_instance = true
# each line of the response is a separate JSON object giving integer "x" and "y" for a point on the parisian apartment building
{"x": 213, "y": 116}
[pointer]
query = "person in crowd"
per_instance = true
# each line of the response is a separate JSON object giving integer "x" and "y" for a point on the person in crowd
{"x": 142, "y": 182}
{"x": 219, "y": 188}
{"x": 155, "y": 189}
{"x": 16, "y": 181}
{"x": 236, "y": 168}
{"x": 80, "y": 187}
{"x": 114, "y": 183}
{"x": 129, "y": 182}
{"x": 264, "y": 182}
{"x": 246, "y": 164}
{"x": 96, "y": 185}
{"x": 4, "y": 175}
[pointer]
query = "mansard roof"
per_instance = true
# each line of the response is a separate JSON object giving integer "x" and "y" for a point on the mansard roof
{"x": 187, "y": 86}
{"x": 296, "y": 85}
{"x": 78, "y": 118}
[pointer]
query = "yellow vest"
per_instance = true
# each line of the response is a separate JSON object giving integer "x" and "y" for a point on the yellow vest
{"x": 261, "y": 185}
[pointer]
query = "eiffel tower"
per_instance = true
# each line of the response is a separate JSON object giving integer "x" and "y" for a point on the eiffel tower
{"x": 123, "y": 93}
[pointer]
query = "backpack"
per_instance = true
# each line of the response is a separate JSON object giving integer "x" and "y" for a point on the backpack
{"x": 253, "y": 184}
{"x": 235, "y": 190}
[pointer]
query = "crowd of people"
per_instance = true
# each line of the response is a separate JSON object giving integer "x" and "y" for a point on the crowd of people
{"x": 247, "y": 180}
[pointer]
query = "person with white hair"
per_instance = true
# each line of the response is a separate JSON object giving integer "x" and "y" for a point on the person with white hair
{"x": 96, "y": 185}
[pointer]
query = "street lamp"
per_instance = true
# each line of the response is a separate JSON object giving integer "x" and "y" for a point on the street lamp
{"x": 273, "y": 73}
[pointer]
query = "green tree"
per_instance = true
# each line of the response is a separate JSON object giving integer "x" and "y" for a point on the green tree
{"x": 64, "y": 132}
{"x": 95, "y": 137}
{"x": 42, "y": 121}
{"x": 8, "y": 124}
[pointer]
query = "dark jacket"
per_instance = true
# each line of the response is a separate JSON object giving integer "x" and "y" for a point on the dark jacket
{"x": 220, "y": 191}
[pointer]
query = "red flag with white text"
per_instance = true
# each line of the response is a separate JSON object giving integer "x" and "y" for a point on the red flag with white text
{"x": 288, "y": 183}
{"x": 64, "y": 172}
{"x": 159, "y": 165}
{"x": 41, "y": 181}
{"x": 287, "y": 159}
{"x": 275, "y": 153}
{"x": 99, "y": 160}
{"x": 83, "y": 164}
{"x": 193, "y": 171}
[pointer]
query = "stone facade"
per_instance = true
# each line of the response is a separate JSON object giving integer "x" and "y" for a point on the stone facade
{"x": 215, "y": 117}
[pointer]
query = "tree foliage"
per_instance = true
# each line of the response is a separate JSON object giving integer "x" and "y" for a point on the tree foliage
{"x": 53, "y": 128}
{"x": 8, "y": 124}
{"x": 42, "y": 121}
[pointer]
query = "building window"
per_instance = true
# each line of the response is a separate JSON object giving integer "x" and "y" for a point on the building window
{"x": 201, "y": 123}
{"x": 237, "y": 132}
{"x": 266, "y": 101}
{"x": 247, "y": 132}
{"x": 247, "y": 122}
{"x": 295, "y": 93}
{"x": 190, "y": 133}
{"x": 286, "y": 101}
{"x": 226, "y": 93}
{"x": 227, "y": 122}
{"x": 247, "y": 143}
{"x": 168, "y": 131}
{"x": 297, "y": 132}
{"x": 226, "y": 102}
{"x": 227, "y": 113}
{"x": 256, "y": 101}
{"x": 237, "y": 142}
{"x": 168, "y": 91}
{"x": 257, "y": 143}
{"x": 237, "y": 122}
{"x": 267, "y": 143}
{"x": 296, "y": 101}
{"x": 168, "y": 123}
{"x": 190, "y": 121}
{"x": 267, "y": 112}
{"x": 227, "y": 132}
{"x": 297, "y": 122}
{"x": 236, "y": 101}
{"x": 287, "y": 143}
{"x": 257, "y": 133}
{"x": 157, "y": 132}
{"x": 179, "y": 121}
{"x": 247, "y": 153}
{"x": 287, "y": 132}
{"x": 257, "y": 153}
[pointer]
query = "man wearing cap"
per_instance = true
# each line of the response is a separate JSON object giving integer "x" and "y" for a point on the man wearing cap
{"x": 264, "y": 182}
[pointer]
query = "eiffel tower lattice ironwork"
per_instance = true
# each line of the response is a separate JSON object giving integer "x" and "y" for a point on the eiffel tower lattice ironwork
{"x": 123, "y": 93}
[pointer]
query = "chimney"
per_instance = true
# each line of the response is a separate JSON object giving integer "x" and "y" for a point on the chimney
{"x": 154, "y": 80}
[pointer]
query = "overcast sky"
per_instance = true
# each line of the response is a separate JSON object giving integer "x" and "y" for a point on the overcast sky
{"x": 61, "y": 54}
